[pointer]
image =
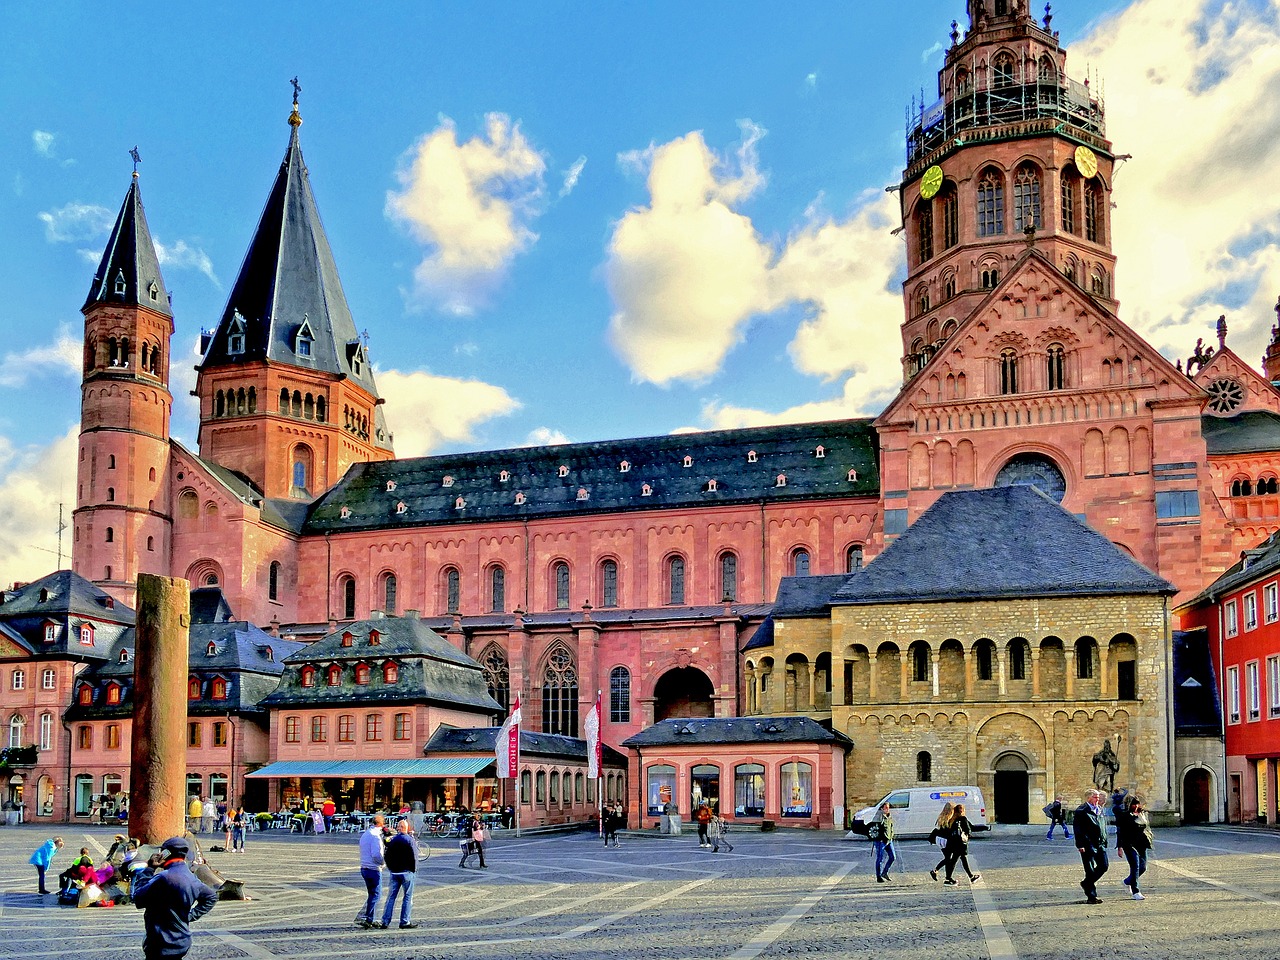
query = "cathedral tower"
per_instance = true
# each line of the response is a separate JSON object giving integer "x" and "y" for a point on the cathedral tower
{"x": 122, "y": 519}
{"x": 1012, "y": 154}
{"x": 287, "y": 395}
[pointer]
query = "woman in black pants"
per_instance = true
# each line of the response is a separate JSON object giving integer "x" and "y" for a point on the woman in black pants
{"x": 942, "y": 830}
{"x": 958, "y": 845}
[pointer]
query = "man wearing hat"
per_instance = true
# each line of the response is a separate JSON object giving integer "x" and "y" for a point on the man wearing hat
{"x": 172, "y": 899}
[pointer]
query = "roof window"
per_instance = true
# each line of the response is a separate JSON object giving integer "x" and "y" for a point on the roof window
{"x": 646, "y": 490}
{"x": 688, "y": 461}
{"x": 520, "y": 498}
{"x": 711, "y": 486}
{"x": 503, "y": 476}
{"x": 781, "y": 481}
{"x": 820, "y": 452}
{"x": 153, "y": 291}
{"x": 460, "y": 504}
{"x": 235, "y": 334}
{"x": 391, "y": 486}
{"x": 563, "y": 471}
{"x": 447, "y": 481}
{"x": 624, "y": 467}
{"x": 853, "y": 476}
{"x": 583, "y": 494}
{"x": 344, "y": 513}
{"x": 120, "y": 284}
{"x": 211, "y": 649}
{"x": 401, "y": 508}
{"x": 752, "y": 456}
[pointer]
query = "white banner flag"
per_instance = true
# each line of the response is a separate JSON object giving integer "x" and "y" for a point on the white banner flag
{"x": 507, "y": 749}
{"x": 592, "y": 726}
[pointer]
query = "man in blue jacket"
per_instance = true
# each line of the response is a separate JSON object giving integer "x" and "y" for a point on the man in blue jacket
{"x": 401, "y": 855}
{"x": 172, "y": 899}
{"x": 1091, "y": 841}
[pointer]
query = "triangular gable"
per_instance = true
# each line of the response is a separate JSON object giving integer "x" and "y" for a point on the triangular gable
{"x": 1035, "y": 274}
{"x": 12, "y": 644}
{"x": 215, "y": 483}
{"x": 1255, "y": 391}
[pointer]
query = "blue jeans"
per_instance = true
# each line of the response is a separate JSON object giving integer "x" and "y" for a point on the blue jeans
{"x": 886, "y": 854}
{"x": 237, "y": 837}
{"x": 1066, "y": 831}
{"x": 399, "y": 881}
{"x": 1137, "y": 866}
{"x": 373, "y": 883}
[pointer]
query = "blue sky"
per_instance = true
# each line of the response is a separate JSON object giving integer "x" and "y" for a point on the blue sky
{"x": 580, "y": 221}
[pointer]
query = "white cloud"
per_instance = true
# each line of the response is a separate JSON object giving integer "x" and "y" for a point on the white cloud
{"x": 33, "y": 480}
{"x": 571, "y": 176}
{"x": 60, "y": 358}
{"x": 545, "y": 437}
{"x": 76, "y": 223}
{"x": 689, "y": 272}
{"x": 42, "y": 142}
{"x": 471, "y": 205}
{"x": 426, "y": 411}
{"x": 930, "y": 53}
{"x": 181, "y": 256}
{"x": 1196, "y": 226}
{"x": 811, "y": 80}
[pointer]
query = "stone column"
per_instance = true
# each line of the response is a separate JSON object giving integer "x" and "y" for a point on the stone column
{"x": 158, "y": 769}
{"x": 1104, "y": 652}
{"x": 813, "y": 685}
{"x": 1071, "y": 670}
{"x": 751, "y": 690}
{"x": 838, "y": 698}
{"x": 1001, "y": 671}
{"x": 904, "y": 667}
{"x": 933, "y": 660}
{"x": 1035, "y": 673}
{"x": 873, "y": 670}
{"x": 968, "y": 673}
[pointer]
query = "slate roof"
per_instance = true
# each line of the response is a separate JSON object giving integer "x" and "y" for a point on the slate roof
{"x": 69, "y": 601}
{"x": 130, "y": 255}
{"x": 208, "y": 605}
{"x": 711, "y": 730}
{"x": 596, "y": 469}
{"x": 288, "y": 278}
{"x": 1002, "y": 542}
{"x": 1255, "y": 431}
{"x": 808, "y": 596}
{"x": 447, "y": 739}
{"x": 1197, "y": 711}
{"x": 430, "y": 669}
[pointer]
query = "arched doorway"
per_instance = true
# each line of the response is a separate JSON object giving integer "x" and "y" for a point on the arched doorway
{"x": 1195, "y": 796}
{"x": 1011, "y": 789}
{"x": 683, "y": 692}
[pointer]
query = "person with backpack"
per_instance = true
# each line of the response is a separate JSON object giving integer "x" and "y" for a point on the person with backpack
{"x": 881, "y": 831}
{"x": 958, "y": 845}
{"x": 1057, "y": 815}
{"x": 941, "y": 830}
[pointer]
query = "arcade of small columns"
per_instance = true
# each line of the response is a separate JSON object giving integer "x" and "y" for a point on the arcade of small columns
{"x": 980, "y": 669}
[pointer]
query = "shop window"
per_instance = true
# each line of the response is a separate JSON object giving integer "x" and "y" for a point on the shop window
{"x": 796, "y": 784}
{"x": 659, "y": 788}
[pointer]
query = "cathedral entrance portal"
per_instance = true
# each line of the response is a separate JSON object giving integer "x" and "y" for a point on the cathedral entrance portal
{"x": 683, "y": 692}
{"x": 1011, "y": 789}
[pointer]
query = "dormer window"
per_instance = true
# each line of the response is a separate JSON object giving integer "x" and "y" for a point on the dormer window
{"x": 211, "y": 649}
{"x": 50, "y": 632}
{"x": 113, "y": 693}
{"x": 86, "y": 634}
{"x": 44, "y": 594}
{"x": 270, "y": 654}
{"x": 563, "y": 471}
{"x": 120, "y": 284}
{"x": 752, "y": 456}
{"x": 688, "y": 462}
{"x": 347, "y": 639}
{"x": 447, "y": 482}
{"x": 334, "y": 675}
{"x": 308, "y": 676}
{"x": 193, "y": 688}
{"x": 781, "y": 481}
{"x": 624, "y": 467}
{"x": 390, "y": 673}
{"x": 85, "y": 697}
{"x": 520, "y": 498}
{"x": 820, "y": 452}
{"x": 344, "y": 513}
{"x": 391, "y": 486}
{"x": 460, "y": 504}
{"x": 375, "y": 638}
{"x": 583, "y": 494}
{"x": 235, "y": 335}
{"x": 401, "y": 508}
{"x": 711, "y": 486}
{"x": 853, "y": 476}
{"x": 304, "y": 338}
{"x": 218, "y": 689}
{"x": 503, "y": 476}
{"x": 362, "y": 674}
{"x": 153, "y": 292}
{"x": 646, "y": 490}
{"x": 124, "y": 656}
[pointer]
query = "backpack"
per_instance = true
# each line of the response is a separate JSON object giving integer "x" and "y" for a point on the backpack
{"x": 1048, "y": 810}
{"x": 873, "y": 830}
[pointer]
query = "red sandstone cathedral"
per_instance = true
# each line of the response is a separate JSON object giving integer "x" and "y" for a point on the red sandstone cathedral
{"x": 641, "y": 566}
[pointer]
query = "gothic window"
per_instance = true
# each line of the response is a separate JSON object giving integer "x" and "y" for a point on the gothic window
{"x": 1092, "y": 213}
{"x": 347, "y": 588}
{"x": 452, "y": 581}
{"x": 497, "y": 589}
{"x": 562, "y": 585}
{"x": 560, "y": 693}
{"x": 1098, "y": 283}
{"x": 990, "y": 204}
{"x": 1008, "y": 371}
{"x": 273, "y": 581}
{"x": 922, "y": 300}
{"x": 675, "y": 580}
{"x": 1026, "y": 199}
{"x": 302, "y": 467}
{"x": 924, "y": 229}
{"x": 609, "y": 584}
{"x": 1002, "y": 68}
{"x": 800, "y": 563}
{"x": 619, "y": 695}
{"x": 964, "y": 82}
{"x": 729, "y": 577}
{"x": 497, "y": 675}
{"x": 1057, "y": 371}
{"x": 1046, "y": 73}
{"x": 389, "y": 594}
{"x": 950, "y": 201}
{"x": 853, "y": 558}
{"x": 990, "y": 277}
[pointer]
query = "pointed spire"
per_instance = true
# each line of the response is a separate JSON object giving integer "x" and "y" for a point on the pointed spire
{"x": 129, "y": 272}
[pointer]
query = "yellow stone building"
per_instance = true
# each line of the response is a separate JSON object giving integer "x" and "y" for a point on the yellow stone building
{"x": 998, "y": 642}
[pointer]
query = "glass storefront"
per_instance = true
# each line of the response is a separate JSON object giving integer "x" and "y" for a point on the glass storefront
{"x": 748, "y": 790}
{"x": 797, "y": 789}
{"x": 660, "y": 789}
{"x": 704, "y": 786}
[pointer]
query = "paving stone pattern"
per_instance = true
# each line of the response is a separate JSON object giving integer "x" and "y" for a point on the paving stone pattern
{"x": 1212, "y": 894}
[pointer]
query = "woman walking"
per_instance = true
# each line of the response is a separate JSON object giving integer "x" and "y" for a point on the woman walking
{"x": 941, "y": 830}
{"x": 1133, "y": 839}
{"x": 238, "y": 827}
{"x": 958, "y": 845}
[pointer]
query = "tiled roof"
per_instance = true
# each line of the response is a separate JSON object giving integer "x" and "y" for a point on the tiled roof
{"x": 1003, "y": 542}
{"x": 447, "y": 739}
{"x": 762, "y": 637}
{"x": 807, "y": 596}
{"x": 130, "y": 256}
{"x": 711, "y": 730}
{"x": 725, "y": 467}
{"x": 1197, "y": 711}
{"x": 1255, "y": 431}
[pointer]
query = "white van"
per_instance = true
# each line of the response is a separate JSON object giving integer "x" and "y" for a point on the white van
{"x": 915, "y": 810}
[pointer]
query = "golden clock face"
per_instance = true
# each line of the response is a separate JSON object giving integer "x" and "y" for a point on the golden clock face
{"x": 1086, "y": 162}
{"x": 931, "y": 183}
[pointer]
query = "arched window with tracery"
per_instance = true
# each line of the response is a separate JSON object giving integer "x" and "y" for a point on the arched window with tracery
{"x": 1002, "y": 70}
{"x": 562, "y": 585}
{"x": 497, "y": 675}
{"x": 1046, "y": 73}
{"x": 924, "y": 230}
{"x": 609, "y": 583}
{"x": 389, "y": 593}
{"x": 949, "y": 201}
{"x": 1008, "y": 371}
{"x": 990, "y": 204}
{"x": 1093, "y": 213}
{"x": 1056, "y": 378}
{"x": 560, "y": 692}
{"x": 619, "y": 695}
{"x": 1026, "y": 199}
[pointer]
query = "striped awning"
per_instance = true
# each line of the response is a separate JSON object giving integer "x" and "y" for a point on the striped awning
{"x": 352, "y": 769}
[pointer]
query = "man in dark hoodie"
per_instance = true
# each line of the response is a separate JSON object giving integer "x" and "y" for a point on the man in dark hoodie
{"x": 172, "y": 898}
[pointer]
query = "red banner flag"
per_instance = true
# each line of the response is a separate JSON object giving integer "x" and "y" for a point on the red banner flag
{"x": 507, "y": 749}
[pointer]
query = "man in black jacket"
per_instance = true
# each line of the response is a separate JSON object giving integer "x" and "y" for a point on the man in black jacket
{"x": 1091, "y": 841}
{"x": 401, "y": 855}
{"x": 172, "y": 899}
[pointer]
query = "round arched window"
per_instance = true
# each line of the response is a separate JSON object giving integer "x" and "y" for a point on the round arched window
{"x": 1033, "y": 469}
